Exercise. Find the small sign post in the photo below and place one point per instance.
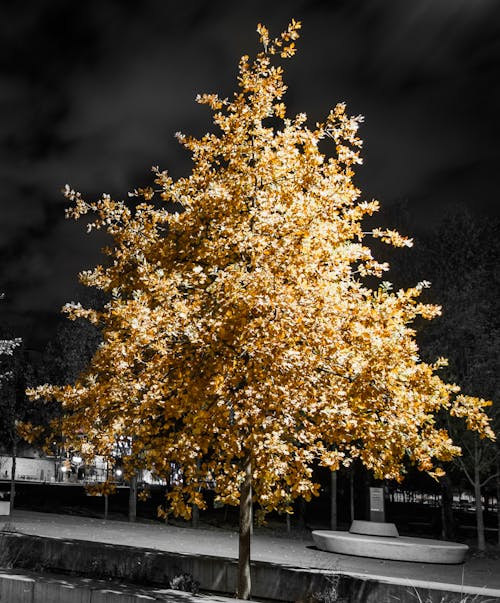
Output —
(377, 510)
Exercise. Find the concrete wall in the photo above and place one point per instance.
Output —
(217, 574)
(35, 588)
(28, 468)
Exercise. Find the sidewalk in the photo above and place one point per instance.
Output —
(481, 576)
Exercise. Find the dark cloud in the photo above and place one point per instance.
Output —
(92, 93)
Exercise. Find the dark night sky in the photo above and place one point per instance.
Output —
(92, 93)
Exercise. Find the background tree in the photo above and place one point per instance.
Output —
(71, 349)
(241, 339)
(8, 402)
(8, 345)
(16, 375)
(461, 258)
(64, 358)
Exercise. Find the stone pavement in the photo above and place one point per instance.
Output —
(475, 576)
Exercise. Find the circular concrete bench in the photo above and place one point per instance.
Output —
(399, 548)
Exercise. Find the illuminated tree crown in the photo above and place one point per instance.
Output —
(241, 330)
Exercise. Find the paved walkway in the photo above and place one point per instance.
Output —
(476, 575)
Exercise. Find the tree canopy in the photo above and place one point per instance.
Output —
(243, 338)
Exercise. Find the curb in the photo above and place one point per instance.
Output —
(28, 587)
(271, 581)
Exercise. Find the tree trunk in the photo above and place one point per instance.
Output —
(351, 492)
(195, 516)
(106, 507)
(448, 528)
(333, 501)
(13, 476)
(132, 498)
(301, 514)
(244, 579)
(195, 510)
(481, 544)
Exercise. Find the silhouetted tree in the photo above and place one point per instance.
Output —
(461, 259)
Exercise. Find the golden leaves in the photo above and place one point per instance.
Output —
(391, 237)
(264, 35)
(29, 432)
(284, 44)
(470, 408)
(243, 325)
(280, 110)
(212, 100)
(102, 489)
(147, 193)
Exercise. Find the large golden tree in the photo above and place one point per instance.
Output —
(242, 339)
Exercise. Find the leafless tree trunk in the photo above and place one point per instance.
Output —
(351, 492)
(447, 530)
(13, 475)
(481, 463)
(132, 498)
(195, 510)
(333, 501)
(481, 543)
(195, 516)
